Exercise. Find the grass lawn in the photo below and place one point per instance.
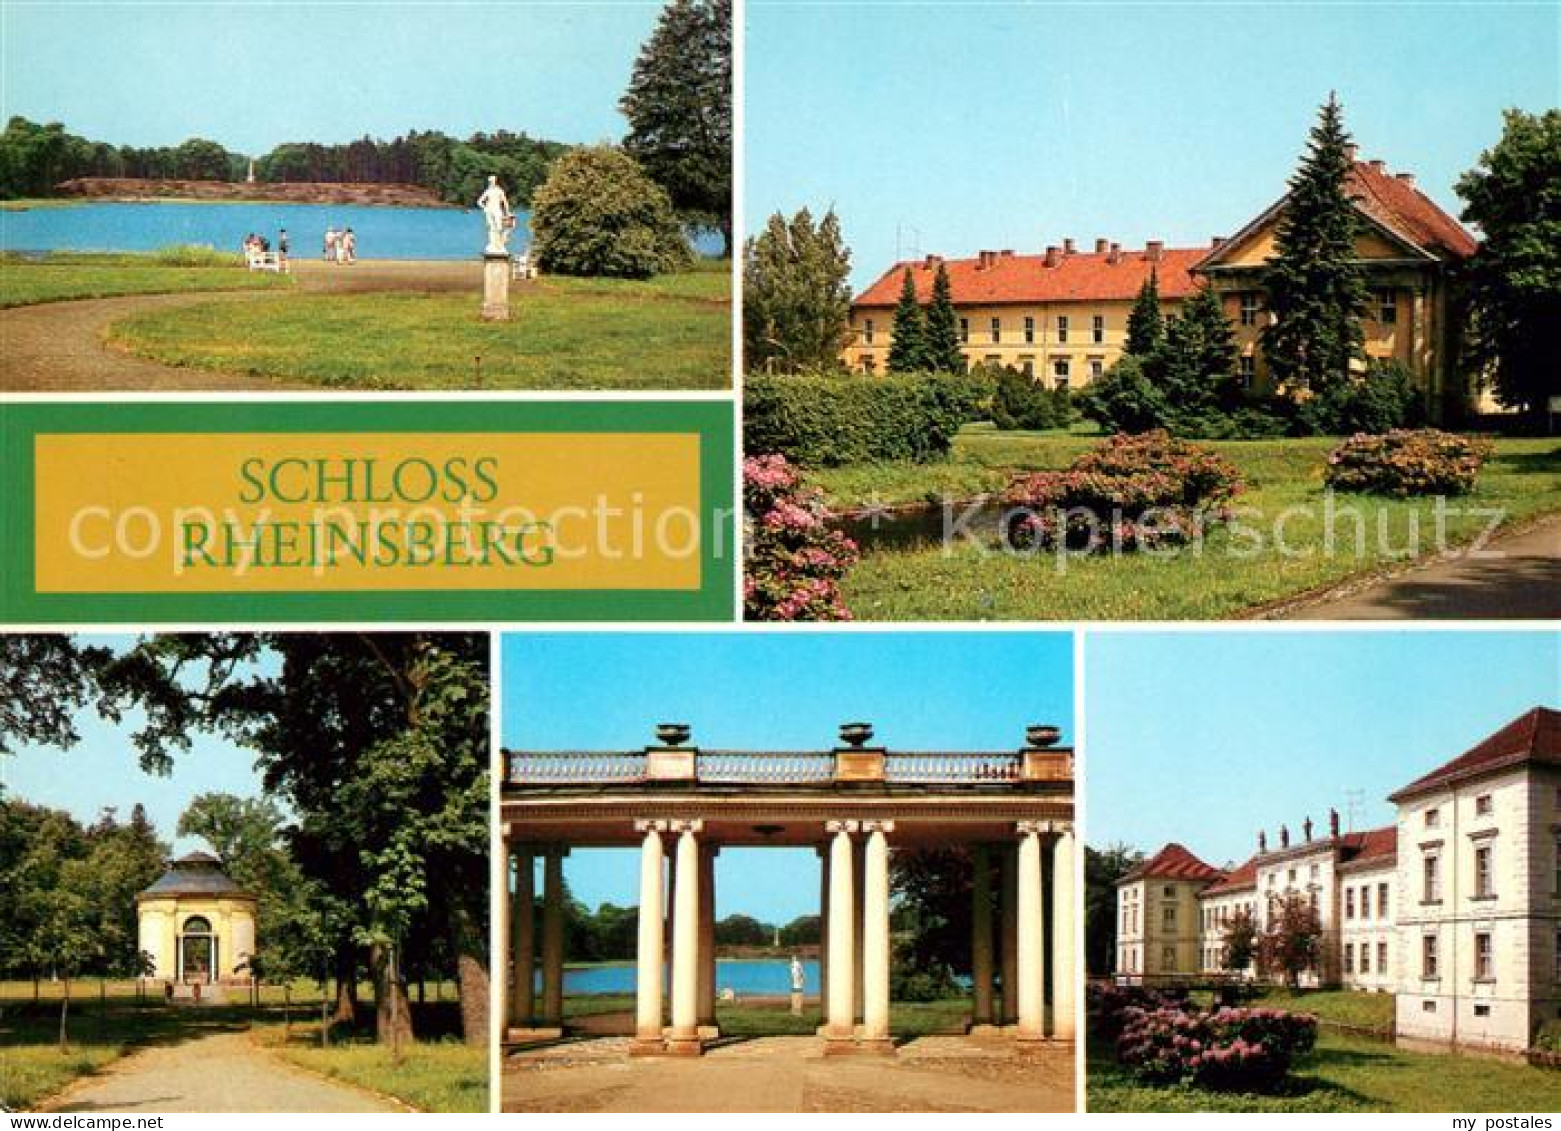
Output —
(1348, 1074)
(906, 1019)
(443, 1075)
(61, 276)
(1347, 1007)
(672, 332)
(1229, 576)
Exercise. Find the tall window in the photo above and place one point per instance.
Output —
(1168, 958)
(1062, 327)
(1249, 308)
(1387, 306)
(997, 329)
(1433, 818)
(868, 364)
(1365, 901)
(1484, 959)
(1431, 869)
(1097, 329)
(1428, 956)
(1382, 958)
(1484, 881)
(1096, 368)
(1365, 958)
(1246, 369)
(1349, 903)
(1027, 366)
(1349, 958)
(1029, 329)
(1169, 917)
(964, 330)
(1060, 372)
(1382, 901)
(867, 332)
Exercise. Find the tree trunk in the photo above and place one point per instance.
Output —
(471, 973)
(346, 1009)
(726, 239)
(64, 1013)
(392, 1010)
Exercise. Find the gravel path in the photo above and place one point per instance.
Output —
(225, 1072)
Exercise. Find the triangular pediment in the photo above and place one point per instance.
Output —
(1254, 245)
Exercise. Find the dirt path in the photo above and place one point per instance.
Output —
(1524, 583)
(58, 346)
(226, 1072)
(791, 1074)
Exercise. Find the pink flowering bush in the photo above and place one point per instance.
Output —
(1402, 463)
(1131, 492)
(794, 561)
(1227, 1049)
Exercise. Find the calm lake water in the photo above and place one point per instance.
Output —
(746, 976)
(383, 232)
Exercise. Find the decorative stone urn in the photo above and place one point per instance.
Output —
(1041, 736)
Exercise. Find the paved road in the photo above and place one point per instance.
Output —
(225, 1072)
(1524, 583)
(791, 1074)
(58, 346)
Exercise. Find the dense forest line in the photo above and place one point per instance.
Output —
(36, 158)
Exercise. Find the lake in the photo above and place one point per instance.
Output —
(383, 232)
(747, 976)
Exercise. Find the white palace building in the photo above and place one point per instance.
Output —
(1455, 908)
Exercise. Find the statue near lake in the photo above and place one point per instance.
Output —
(494, 203)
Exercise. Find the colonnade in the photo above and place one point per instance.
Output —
(1012, 936)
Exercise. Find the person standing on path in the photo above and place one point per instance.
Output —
(330, 244)
(281, 246)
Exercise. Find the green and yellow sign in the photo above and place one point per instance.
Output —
(357, 511)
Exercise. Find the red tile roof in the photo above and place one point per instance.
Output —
(1371, 848)
(998, 278)
(1532, 737)
(1244, 876)
(1173, 862)
(1398, 205)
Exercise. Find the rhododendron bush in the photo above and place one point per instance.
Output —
(1423, 462)
(1225, 1049)
(794, 560)
(1131, 492)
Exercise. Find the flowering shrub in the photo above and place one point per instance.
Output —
(1131, 492)
(1223, 1049)
(1107, 1005)
(794, 561)
(1423, 462)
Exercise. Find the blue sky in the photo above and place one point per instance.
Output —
(101, 771)
(250, 75)
(774, 690)
(1204, 737)
(974, 126)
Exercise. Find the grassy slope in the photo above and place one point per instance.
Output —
(61, 277)
(971, 583)
(667, 333)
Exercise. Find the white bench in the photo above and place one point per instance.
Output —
(265, 261)
(522, 267)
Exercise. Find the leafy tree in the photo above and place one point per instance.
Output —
(1102, 869)
(941, 332)
(1314, 285)
(1514, 279)
(44, 680)
(1020, 401)
(679, 107)
(598, 214)
(1145, 325)
(743, 930)
(932, 911)
(1126, 399)
(804, 930)
(907, 350)
(1292, 943)
(1239, 941)
(796, 300)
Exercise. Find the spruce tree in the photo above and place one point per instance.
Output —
(941, 328)
(1197, 363)
(1314, 284)
(1145, 326)
(908, 350)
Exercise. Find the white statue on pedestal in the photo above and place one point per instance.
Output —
(495, 209)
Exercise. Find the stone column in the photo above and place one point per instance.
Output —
(875, 938)
(858, 915)
(1032, 934)
(684, 1037)
(981, 938)
(647, 996)
(1063, 911)
(839, 1028)
(553, 936)
(823, 930)
(1010, 913)
(707, 1026)
(523, 1003)
(504, 915)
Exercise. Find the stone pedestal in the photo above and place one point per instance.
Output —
(495, 287)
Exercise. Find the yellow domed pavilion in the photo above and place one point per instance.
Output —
(198, 926)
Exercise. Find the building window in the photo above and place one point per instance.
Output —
(1249, 308)
(1382, 958)
(997, 329)
(1168, 958)
(964, 330)
(1482, 1011)
(1382, 901)
(1168, 918)
(1484, 881)
(1433, 818)
(993, 359)
(1431, 873)
(1060, 373)
(867, 332)
(868, 364)
(1387, 306)
(1482, 805)
(1428, 957)
(1428, 1007)
(1365, 958)
(1097, 367)
(1097, 329)
(1029, 329)
(1027, 366)
(1349, 903)
(1349, 958)
(1365, 901)
(1484, 960)
(1062, 327)
(1316, 871)
(1247, 370)
(1290, 877)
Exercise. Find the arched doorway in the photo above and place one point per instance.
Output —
(197, 952)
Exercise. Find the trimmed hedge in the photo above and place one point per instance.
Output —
(821, 420)
(1424, 462)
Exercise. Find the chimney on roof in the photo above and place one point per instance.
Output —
(1006, 253)
(1378, 166)
(1306, 829)
(932, 261)
(1067, 246)
(1100, 245)
(1153, 250)
(1053, 255)
(1262, 841)
(1284, 836)
(1333, 823)
(1116, 254)
(1351, 150)
(1216, 242)
(1407, 178)
(987, 258)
